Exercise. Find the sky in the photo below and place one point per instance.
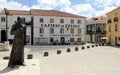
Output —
(87, 8)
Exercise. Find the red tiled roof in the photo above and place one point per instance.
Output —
(42, 13)
(16, 12)
(97, 19)
(54, 13)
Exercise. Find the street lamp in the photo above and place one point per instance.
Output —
(6, 13)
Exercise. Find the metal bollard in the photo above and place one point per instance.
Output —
(76, 48)
(58, 52)
(29, 56)
(46, 54)
(82, 47)
(68, 50)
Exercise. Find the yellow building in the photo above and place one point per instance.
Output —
(113, 27)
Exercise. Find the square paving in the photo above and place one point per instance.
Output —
(101, 60)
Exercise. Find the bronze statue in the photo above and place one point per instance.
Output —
(17, 53)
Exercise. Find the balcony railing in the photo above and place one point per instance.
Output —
(109, 21)
(115, 19)
(91, 32)
(104, 32)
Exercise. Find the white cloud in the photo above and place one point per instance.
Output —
(103, 3)
(47, 4)
(118, 3)
(89, 9)
(64, 3)
(82, 9)
(12, 5)
(104, 11)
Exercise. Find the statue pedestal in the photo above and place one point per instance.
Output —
(6, 45)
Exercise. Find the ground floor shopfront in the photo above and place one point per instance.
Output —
(96, 38)
(55, 40)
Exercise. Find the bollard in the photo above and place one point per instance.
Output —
(76, 48)
(46, 54)
(82, 47)
(58, 52)
(68, 50)
(96, 45)
(6, 58)
(92, 45)
(88, 46)
(29, 56)
(103, 44)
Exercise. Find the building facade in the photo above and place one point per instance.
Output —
(96, 30)
(113, 26)
(48, 26)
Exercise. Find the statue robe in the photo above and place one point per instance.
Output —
(17, 52)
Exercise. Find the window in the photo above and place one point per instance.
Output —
(109, 28)
(116, 14)
(93, 27)
(41, 20)
(51, 30)
(79, 39)
(51, 39)
(23, 20)
(79, 30)
(79, 21)
(41, 30)
(98, 28)
(61, 30)
(61, 20)
(104, 27)
(51, 20)
(72, 21)
(72, 30)
(2, 19)
(89, 27)
(109, 17)
(71, 39)
(116, 27)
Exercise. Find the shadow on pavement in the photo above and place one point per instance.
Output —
(7, 69)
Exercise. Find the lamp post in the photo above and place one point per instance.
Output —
(6, 13)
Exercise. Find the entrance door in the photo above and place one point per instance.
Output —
(3, 36)
(115, 40)
(62, 40)
(51, 39)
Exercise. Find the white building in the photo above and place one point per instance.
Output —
(49, 26)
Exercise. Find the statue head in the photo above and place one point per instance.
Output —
(19, 19)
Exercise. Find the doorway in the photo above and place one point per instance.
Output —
(62, 39)
(3, 36)
(115, 40)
